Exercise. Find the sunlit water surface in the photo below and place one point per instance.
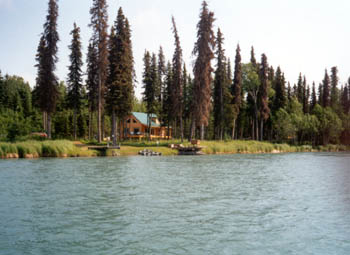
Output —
(232, 204)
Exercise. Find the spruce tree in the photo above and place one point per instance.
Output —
(320, 94)
(300, 89)
(46, 91)
(280, 96)
(313, 97)
(334, 87)
(306, 96)
(289, 92)
(75, 79)
(150, 79)
(185, 98)
(203, 50)
(326, 90)
(236, 89)
(177, 79)
(99, 24)
(120, 78)
(92, 84)
(168, 91)
(271, 77)
(263, 94)
(219, 84)
(253, 59)
(161, 73)
(345, 99)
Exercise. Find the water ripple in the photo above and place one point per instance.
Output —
(231, 204)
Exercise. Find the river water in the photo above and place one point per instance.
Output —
(230, 204)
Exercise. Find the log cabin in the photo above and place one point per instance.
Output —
(135, 126)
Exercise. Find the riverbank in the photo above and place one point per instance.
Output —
(65, 148)
(38, 149)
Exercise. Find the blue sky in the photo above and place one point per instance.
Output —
(300, 36)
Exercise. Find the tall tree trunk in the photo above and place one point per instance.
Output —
(202, 132)
(99, 110)
(49, 125)
(192, 130)
(185, 127)
(256, 122)
(181, 130)
(168, 127)
(256, 128)
(114, 129)
(175, 128)
(103, 126)
(90, 125)
(149, 127)
(233, 129)
(75, 123)
(261, 129)
(45, 121)
(253, 129)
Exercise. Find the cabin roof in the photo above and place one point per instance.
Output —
(142, 117)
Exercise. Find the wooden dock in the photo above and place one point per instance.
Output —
(103, 148)
(191, 150)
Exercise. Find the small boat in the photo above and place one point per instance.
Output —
(147, 152)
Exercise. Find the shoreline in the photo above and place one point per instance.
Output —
(68, 149)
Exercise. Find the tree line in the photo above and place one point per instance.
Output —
(252, 101)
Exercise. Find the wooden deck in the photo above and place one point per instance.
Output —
(103, 148)
(191, 150)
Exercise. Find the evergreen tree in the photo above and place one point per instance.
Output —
(150, 79)
(306, 96)
(300, 89)
(120, 90)
(168, 105)
(313, 97)
(237, 89)
(334, 88)
(326, 90)
(280, 96)
(99, 24)
(92, 84)
(271, 76)
(161, 74)
(186, 99)
(345, 99)
(203, 50)
(307, 100)
(320, 94)
(263, 94)
(289, 92)
(219, 86)
(75, 85)
(47, 83)
(253, 59)
(177, 79)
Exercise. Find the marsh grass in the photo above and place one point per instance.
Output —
(65, 148)
(35, 149)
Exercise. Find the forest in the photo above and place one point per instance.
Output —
(216, 99)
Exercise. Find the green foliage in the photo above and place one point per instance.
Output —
(283, 126)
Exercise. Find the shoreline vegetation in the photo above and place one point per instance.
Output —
(65, 148)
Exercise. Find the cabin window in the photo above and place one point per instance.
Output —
(136, 131)
(134, 121)
(128, 121)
